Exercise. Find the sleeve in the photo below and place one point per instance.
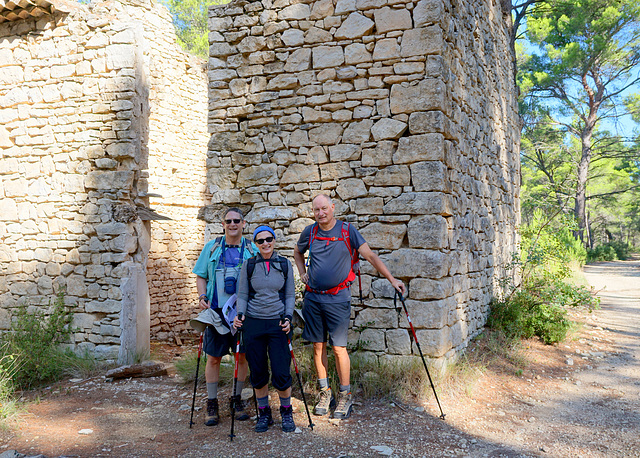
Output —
(243, 290)
(303, 241)
(355, 238)
(202, 264)
(290, 292)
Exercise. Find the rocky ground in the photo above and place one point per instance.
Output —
(580, 398)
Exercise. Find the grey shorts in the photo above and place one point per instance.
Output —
(322, 319)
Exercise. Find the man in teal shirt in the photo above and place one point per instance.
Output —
(217, 270)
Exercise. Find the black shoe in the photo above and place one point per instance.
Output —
(238, 404)
(211, 416)
(286, 413)
(264, 419)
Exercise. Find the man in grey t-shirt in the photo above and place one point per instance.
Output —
(327, 302)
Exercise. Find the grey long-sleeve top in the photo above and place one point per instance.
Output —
(266, 303)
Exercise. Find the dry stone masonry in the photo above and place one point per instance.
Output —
(405, 113)
(100, 114)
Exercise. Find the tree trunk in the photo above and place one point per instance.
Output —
(581, 185)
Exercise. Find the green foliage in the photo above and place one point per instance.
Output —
(186, 369)
(190, 19)
(8, 368)
(35, 341)
(609, 252)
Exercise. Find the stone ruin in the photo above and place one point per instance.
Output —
(403, 111)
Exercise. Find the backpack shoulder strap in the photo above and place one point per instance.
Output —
(248, 246)
(251, 266)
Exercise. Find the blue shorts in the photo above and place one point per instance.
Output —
(218, 345)
(321, 319)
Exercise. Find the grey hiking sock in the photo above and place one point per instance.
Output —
(239, 387)
(345, 388)
(285, 402)
(212, 390)
(263, 402)
(324, 383)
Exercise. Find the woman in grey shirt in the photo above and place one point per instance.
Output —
(266, 296)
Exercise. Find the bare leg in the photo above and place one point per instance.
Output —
(212, 369)
(320, 359)
(343, 365)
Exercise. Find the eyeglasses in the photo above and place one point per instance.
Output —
(234, 221)
(267, 239)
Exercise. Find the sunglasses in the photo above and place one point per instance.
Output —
(267, 239)
(234, 221)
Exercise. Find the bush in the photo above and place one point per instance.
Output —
(610, 251)
(35, 341)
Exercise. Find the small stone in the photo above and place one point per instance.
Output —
(382, 450)
(298, 430)
(85, 432)
(569, 362)
(75, 380)
(184, 407)
(419, 409)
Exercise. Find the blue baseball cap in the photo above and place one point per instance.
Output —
(262, 229)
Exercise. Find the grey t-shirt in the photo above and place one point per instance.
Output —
(267, 280)
(329, 261)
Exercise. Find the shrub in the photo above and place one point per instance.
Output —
(610, 251)
(35, 340)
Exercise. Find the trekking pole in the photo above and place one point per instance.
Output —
(295, 365)
(235, 382)
(415, 338)
(193, 402)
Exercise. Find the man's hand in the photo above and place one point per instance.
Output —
(305, 278)
(398, 286)
(203, 303)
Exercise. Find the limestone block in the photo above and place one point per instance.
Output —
(293, 37)
(220, 178)
(300, 173)
(381, 155)
(355, 26)
(369, 206)
(267, 214)
(298, 225)
(327, 56)
(428, 122)
(220, 23)
(424, 147)
(327, 134)
(298, 11)
(284, 81)
(422, 41)
(221, 49)
(120, 56)
(430, 176)
(321, 9)
(298, 61)
(344, 152)
(119, 180)
(393, 175)
(434, 342)
(11, 75)
(345, 6)
(387, 128)
(121, 149)
(356, 53)
(312, 115)
(372, 339)
(272, 142)
(388, 19)
(420, 203)
(382, 288)
(386, 49)
(406, 68)
(406, 262)
(8, 210)
(76, 285)
(251, 44)
(429, 231)
(124, 243)
(427, 12)
(426, 288)
(351, 188)
(386, 236)
(5, 140)
(5, 319)
(316, 35)
(335, 171)
(428, 94)
(108, 306)
(358, 132)
(297, 139)
(377, 318)
(398, 342)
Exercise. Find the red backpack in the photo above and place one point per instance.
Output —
(355, 260)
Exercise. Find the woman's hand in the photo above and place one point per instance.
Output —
(237, 322)
(285, 325)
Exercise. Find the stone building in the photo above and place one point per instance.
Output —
(405, 112)
(101, 113)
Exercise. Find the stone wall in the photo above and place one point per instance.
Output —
(87, 131)
(405, 113)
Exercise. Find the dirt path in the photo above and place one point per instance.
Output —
(580, 398)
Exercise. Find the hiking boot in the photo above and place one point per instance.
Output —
(325, 402)
(286, 413)
(264, 419)
(345, 403)
(238, 403)
(211, 416)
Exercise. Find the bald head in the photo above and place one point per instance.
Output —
(326, 198)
